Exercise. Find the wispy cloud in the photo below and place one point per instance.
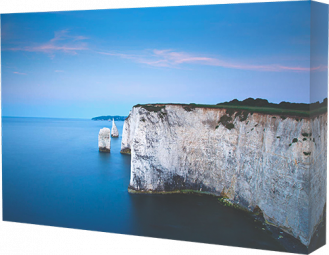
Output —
(62, 42)
(173, 59)
(19, 73)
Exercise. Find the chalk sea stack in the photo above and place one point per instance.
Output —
(115, 132)
(104, 140)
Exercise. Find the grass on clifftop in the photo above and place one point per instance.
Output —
(254, 105)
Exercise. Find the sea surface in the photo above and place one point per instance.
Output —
(53, 174)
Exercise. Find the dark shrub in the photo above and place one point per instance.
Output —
(230, 112)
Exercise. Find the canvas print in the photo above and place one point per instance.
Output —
(197, 123)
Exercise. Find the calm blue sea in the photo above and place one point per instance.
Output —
(54, 175)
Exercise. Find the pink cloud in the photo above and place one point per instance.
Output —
(62, 42)
(121, 55)
(64, 34)
(80, 37)
(173, 59)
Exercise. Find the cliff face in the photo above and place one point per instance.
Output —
(275, 163)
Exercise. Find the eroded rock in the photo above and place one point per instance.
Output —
(104, 140)
(115, 132)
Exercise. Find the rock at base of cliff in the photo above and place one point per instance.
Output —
(125, 151)
(104, 150)
(104, 140)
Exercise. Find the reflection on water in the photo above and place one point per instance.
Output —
(196, 218)
(54, 175)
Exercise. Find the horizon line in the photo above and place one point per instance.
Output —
(2, 116)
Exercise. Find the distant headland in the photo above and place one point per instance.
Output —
(109, 117)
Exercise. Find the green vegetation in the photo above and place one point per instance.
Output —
(226, 121)
(162, 115)
(243, 115)
(315, 112)
(184, 191)
(151, 107)
(295, 140)
(229, 126)
(307, 153)
(154, 108)
(259, 102)
(319, 108)
(125, 151)
(250, 105)
(228, 203)
(189, 108)
(230, 112)
(225, 201)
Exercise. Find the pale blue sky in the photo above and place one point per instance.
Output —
(89, 63)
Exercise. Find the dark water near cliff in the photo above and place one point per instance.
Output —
(54, 175)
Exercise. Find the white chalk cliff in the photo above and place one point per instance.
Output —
(115, 132)
(255, 160)
(104, 140)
